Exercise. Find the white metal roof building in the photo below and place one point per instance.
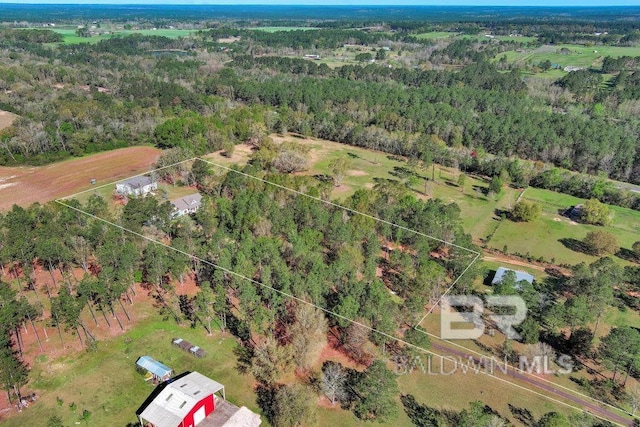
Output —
(184, 401)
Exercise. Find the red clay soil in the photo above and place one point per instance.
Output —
(26, 185)
(49, 337)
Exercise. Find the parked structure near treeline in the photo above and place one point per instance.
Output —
(188, 347)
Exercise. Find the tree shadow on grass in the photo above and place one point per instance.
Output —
(628, 255)
(323, 177)
(483, 190)
(523, 415)
(575, 245)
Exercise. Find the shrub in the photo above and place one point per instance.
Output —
(526, 211)
(600, 242)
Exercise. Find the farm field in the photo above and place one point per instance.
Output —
(435, 35)
(25, 185)
(276, 29)
(485, 37)
(70, 36)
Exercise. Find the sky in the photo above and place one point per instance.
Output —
(349, 2)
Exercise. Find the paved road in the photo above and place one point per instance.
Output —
(544, 387)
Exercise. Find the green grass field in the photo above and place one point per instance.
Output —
(541, 238)
(435, 35)
(479, 212)
(276, 29)
(484, 37)
(105, 382)
(577, 55)
(70, 36)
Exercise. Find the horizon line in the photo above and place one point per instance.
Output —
(536, 4)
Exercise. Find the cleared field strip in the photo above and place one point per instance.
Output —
(26, 185)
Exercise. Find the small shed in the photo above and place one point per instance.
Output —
(197, 351)
(188, 347)
(157, 370)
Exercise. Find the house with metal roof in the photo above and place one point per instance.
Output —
(520, 276)
(186, 205)
(156, 370)
(137, 186)
(191, 399)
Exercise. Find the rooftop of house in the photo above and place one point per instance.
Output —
(520, 275)
(138, 181)
(187, 202)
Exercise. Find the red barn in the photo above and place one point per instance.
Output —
(183, 401)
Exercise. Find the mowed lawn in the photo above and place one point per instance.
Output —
(276, 29)
(435, 35)
(573, 55)
(105, 382)
(25, 185)
(542, 237)
(70, 36)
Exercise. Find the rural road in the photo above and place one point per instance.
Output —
(506, 260)
(544, 387)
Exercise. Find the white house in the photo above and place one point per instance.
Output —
(137, 186)
(187, 204)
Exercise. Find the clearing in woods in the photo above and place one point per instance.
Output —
(6, 119)
(25, 185)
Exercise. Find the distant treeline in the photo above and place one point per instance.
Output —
(476, 107)
(17, 38)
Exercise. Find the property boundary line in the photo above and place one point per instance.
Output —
(477, 254)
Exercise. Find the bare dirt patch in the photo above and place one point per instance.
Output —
(241, 155)
(26, 185)
(318, 148)
(6, 119)
(356, 173)
(229, 40)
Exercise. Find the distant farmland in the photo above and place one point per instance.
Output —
(25, 185)
(70, 36)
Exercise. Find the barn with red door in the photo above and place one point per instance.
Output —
(183, 401)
